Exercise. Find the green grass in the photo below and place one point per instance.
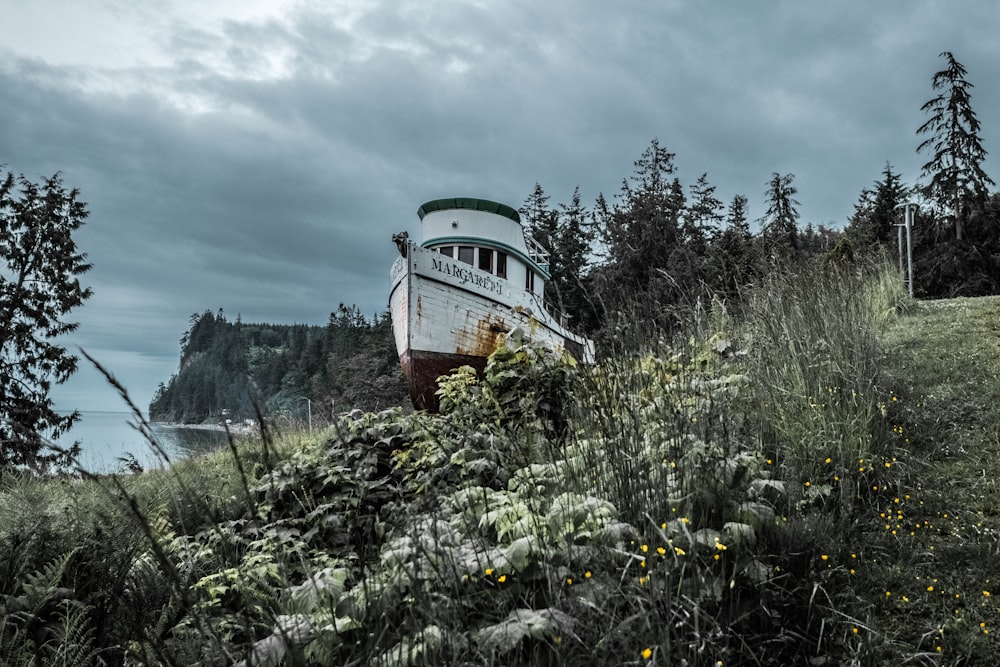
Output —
(942, 374)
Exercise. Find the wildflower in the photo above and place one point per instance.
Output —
(661, 550)
(716, 556)
(586, 575)
(489, 571)
(906, 599)
(642, 563)
(569, 581)
(647, 653)
(930, 589)
(557, 640)
(644, 548)
(680, 552)
(502, 578)
(828, 460)
(769, 462)
(720, 546)
(854, 630)
(685, 520)
(824, 557)
(986, 594)
(807, 484)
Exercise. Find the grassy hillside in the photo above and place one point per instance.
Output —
(809, 481)
(928, 569)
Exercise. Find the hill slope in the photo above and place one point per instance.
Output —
(928, 567)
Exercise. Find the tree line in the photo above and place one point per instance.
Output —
(657, 248)
(237, 370)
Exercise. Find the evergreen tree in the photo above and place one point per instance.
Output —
(573, 246)
(40, 269)
(779, 231)
(704, 212)
(958, 182)
(875, 213)
(731, 255)
(646, 263)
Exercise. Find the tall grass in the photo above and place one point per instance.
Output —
(812, 341)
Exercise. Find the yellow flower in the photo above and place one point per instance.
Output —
(720, 546)
(680, 552)
(661, 550)
(644, 548)
(930, 588)
(986, 593)
(828, 460)
(502, 578)
(825, 557)
(489, 571)
(569, 581)
(854, 630)
(647, 653)
(807, 483)
(684, 519)
(642, 563)
(586, 575)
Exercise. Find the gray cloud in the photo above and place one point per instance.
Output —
(261, 165)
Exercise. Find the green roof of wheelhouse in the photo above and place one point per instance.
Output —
(469, 203)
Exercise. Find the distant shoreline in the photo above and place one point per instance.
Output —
(236, 429)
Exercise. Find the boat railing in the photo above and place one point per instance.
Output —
(536, 251)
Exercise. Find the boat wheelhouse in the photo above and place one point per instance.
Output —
(474, 278)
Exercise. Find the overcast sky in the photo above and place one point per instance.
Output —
(257, 155)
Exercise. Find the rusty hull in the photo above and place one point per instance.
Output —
(473, 345)
(422, 369)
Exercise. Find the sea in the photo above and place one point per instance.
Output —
(109, 439)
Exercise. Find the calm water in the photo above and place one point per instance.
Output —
(106, 437)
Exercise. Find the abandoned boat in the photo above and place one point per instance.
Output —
(475, 277)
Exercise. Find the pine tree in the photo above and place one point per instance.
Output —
(875, 213)
(573, 246)
(779, 231)
(40, 268)
(958, 181)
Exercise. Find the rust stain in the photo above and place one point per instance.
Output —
(420, 307)
(422, 370)
(483, 338)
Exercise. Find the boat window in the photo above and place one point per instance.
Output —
(529, 283)
(465, 253)
(447, 250)
(486, 259)
(501, 264)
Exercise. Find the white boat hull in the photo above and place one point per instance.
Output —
(446, 313)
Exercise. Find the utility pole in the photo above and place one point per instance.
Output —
(309, 405)
(909, 208)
